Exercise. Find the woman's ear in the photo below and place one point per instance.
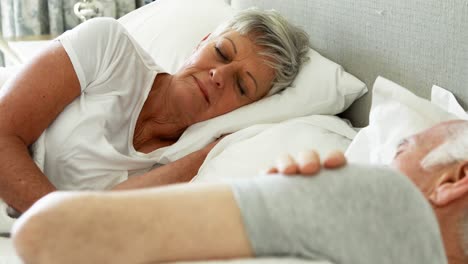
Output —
(451, 186)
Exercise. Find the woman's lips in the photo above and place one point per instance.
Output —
(203, 91)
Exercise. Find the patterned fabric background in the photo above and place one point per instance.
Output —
(39, 17)
(21, 18)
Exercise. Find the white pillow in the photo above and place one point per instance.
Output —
(244, 153)
(395, 113)
(170, 29)
(447, 101)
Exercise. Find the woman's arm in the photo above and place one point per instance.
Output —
(179, 222)
(181, 170)
(28, 105)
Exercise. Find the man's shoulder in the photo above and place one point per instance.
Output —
(358, 214)
(379, 183)
(390, 209)
(380, 177)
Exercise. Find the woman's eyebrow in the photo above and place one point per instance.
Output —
(233, 45)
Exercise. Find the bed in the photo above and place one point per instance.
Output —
(415, 44)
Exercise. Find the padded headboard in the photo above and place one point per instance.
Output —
(415, 43)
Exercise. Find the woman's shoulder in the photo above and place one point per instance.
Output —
(116, 35)
(103, 26)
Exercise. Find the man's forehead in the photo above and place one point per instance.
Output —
(433, 136)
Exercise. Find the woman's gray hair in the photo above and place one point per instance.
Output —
(284, 44)
(454, 149)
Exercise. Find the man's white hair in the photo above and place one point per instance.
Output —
(454, 149)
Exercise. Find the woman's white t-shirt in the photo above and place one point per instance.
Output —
(90, 144)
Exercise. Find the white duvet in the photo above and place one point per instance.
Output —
(245, 153)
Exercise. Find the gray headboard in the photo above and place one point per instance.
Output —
(416, 43)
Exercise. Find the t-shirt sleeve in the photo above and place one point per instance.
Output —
(94, 48)
(355, 214)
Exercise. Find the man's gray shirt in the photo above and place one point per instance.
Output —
(353, 215)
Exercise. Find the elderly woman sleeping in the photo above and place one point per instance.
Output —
(102, 106)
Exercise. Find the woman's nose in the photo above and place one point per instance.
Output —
(220, 75)
(216, 78)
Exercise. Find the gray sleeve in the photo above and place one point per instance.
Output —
(356, 214)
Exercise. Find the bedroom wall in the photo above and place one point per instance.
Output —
(414, 43)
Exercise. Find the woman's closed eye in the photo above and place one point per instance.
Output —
(242, 89)
(221, 54)
(239, 81)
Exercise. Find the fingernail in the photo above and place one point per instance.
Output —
(284, 161)
(305, 157)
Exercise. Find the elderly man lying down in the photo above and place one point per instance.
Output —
(416, 212)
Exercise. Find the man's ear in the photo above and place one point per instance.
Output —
(451, 186)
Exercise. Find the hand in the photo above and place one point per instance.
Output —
(307, 163)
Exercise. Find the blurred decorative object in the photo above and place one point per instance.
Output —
(25, 18)
(50, 17)
(87, 9)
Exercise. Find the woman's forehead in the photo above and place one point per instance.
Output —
(239, 40)
(244, 48)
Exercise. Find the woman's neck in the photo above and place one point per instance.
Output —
(158, 123)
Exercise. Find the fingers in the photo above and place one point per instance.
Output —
(270, 171)
(309, 162)
(334, 160)
(286, 165)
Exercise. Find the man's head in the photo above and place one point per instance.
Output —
(436, 160)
